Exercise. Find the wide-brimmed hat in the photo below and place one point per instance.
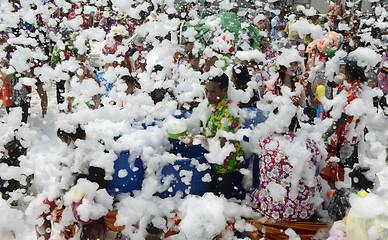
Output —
(121, 16)
(153, 16)
(296, 37)
(118, 30)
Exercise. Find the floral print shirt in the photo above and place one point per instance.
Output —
(216, 122)
(270, 52)
(112, 48)
(278, 197)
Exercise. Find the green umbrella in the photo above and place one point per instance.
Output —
(229, 22)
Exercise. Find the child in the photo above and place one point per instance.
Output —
(194, 62)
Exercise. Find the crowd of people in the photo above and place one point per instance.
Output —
(303, 67)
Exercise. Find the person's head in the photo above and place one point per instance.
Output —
(288, 71)
(265, 42)
(314, 17)
(295, 39)
(240, 76)
(356, 43)
(337, 1)
(131, 84)
(189, 46)
(210, 61)
(299, 14)
(216, 89)
(194, 60)
(207, 4)
(3, 37)
(282, 14)
(252, 64)
(118, 38)
(69, 137)
(353, 72)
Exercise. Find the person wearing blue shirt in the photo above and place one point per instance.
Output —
(278, 24)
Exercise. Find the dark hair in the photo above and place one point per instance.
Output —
(79, 134)
(129, 79)
(96, 175)
(192, 55)
(355, 72)
(241, 73)
(282, 73)
(223, 80)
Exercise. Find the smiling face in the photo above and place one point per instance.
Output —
(194, 62)
(214, 93)
(210, 61)
(265, 42)
(292, 69)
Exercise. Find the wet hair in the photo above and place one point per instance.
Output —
(79, 134)
(241, 73)
(223, 80)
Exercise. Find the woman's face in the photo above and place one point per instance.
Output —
(214, 93)
(292, 69)
(265, 42)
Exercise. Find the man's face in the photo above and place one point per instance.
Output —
(214, 93)
(210, 61)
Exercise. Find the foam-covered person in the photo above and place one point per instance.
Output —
(194, 60)
(131, 85)
(242, 80)
(289, 187)
(210, 59)
(334, 11)
(222, 119)
(116, 47)
(62, 52)
(287, 81)
(86, 185)
(278, 24)
(160, 92)
(83, 91)
(347, 129)
(267, 48)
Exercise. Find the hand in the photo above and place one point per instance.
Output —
(188, 139)
(296, 100)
